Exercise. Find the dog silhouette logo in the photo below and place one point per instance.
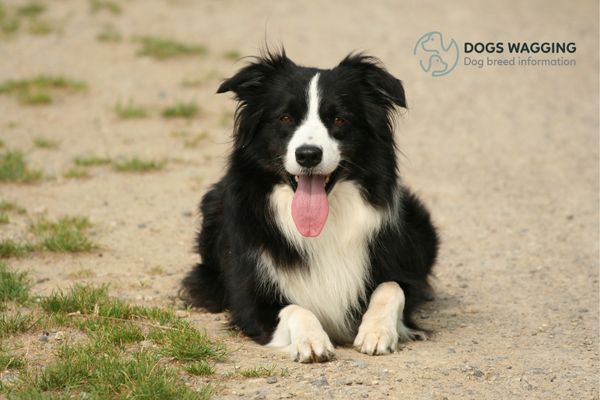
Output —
(437, 56)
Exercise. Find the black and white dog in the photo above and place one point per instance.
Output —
(310, 238)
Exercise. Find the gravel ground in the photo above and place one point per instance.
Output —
(505, 157)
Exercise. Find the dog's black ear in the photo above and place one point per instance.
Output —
(377, 78)
(253, 76)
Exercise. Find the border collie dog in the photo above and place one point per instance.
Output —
(310, 238)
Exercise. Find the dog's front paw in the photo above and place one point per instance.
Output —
(312, 346)
(374, 339)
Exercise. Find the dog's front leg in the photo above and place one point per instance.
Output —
(382, 324)
(301, 333)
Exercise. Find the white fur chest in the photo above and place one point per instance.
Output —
(334, 283)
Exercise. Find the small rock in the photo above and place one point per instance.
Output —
(217, 318)
(478, 373)
(321, 382)
(359, 363)
(142, 226)
(536, 371)
(44, 337)
(272, 379)
(182, 313)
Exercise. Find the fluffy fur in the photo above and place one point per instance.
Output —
(377, 245)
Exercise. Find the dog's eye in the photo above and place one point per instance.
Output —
(339, 121)
(286, 119)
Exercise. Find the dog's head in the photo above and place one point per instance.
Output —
(312, 128)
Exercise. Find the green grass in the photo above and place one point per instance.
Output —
(130, 111)
(258, 372)
(31, 10)
(10, 206)
(76, 173)
(199, 368)
(1, 143)
(137, 165)
(91, 161)
(45, 143)
(181, 110)
(110, 362)
(40, 89)
(13, 168)
(4, 219)
(11, 248)
(109, 6)
(66, 235)
(164, 48)
(14, 285)
(233, 55)
(9, 361)
(15, 323)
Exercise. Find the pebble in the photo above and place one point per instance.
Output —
(272, 379)
(8, 377)
(359, 363)
(478, 373)
(321, 382)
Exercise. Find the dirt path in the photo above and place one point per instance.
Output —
(506, 158)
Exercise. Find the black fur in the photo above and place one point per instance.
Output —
(237, 219)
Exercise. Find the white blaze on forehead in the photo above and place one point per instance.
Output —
(312, 131)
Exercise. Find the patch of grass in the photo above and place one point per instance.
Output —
(15, 323)
(199, 368)
(14, 285)
(39, 90)
(76, 173)
(233, 55)
(40, 27)
(10, 361)
(164, 48)
(137, 165)
(258, 372)
(91, 161)
(45, 143)
(156, 270)
(130, 111)
(10, 206)
(30, 10)
(109, 364)
(109, 6)
(4, 218)
(181, 110)
(109, 35)
(13, 168)
(187, 344)
(11, 248)
(66, 235)
(1, 143)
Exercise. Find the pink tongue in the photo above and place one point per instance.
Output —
(310, 206)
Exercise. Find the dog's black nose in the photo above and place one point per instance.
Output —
(308, 156)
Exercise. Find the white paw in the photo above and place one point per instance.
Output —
(376, 339)
(311, 346)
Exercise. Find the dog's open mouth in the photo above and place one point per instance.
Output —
(310, 206)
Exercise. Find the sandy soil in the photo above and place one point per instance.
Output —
(506, 158)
